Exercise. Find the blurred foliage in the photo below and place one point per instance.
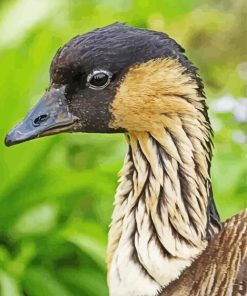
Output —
(56, 193)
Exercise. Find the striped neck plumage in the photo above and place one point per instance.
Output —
(164, 211)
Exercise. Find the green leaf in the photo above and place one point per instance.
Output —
(40, 282)
(8, 286)
(85, 281)
(39, 219)
(89, 237)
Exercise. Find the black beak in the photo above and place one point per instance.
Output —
(50, 116)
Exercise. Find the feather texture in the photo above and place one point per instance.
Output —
(164, 212)
(162, 217)
(221, 270)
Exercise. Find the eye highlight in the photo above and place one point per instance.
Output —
(99, 79)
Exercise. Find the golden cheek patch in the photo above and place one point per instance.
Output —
(151, 90)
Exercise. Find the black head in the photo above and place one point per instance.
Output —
(85, 75)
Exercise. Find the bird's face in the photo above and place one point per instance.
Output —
(109, 80)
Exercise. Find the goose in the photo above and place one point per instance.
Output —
(165, 237)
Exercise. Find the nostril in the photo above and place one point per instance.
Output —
(41, 118)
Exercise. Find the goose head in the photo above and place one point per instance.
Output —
(113, 79)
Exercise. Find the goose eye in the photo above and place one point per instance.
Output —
(99, 79)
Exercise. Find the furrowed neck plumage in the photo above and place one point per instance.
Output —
(164, 212)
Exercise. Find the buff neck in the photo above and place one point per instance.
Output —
(164, 210)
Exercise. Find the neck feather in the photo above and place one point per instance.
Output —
(164, 202)
(164, 210)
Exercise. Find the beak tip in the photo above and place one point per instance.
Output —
(8, 141)
(12, 138)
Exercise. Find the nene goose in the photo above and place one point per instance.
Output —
(166, 237)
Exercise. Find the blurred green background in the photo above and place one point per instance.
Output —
(56, 193)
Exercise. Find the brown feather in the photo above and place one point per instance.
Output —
(221, 270)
